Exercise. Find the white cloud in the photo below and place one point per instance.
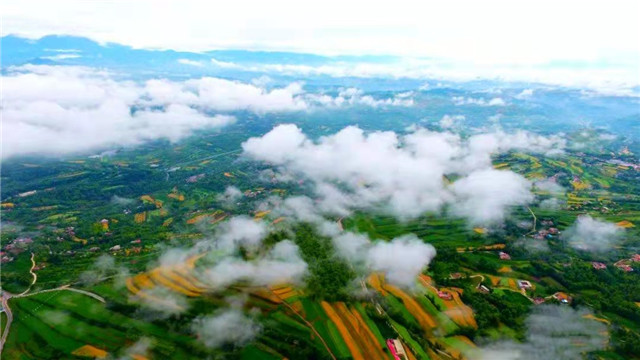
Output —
(526, 93)
(484, 195)
(550, 186)
(448, 121)
(461, 100)
(190, 62)
(281, 265)
(402, 259)
(226, 95)
(55, 110)
(403, 175)
(591, 234)
(65, 109)
(551, 204)
(61, 57)
(230, 195)
(553, 332)
(240, 231)
(225, 64)
(229, 326)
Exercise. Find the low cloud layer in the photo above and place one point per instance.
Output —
(461, 100)
(401, 260)
(67, 109)
(58, 109)
(553, 332)
(591, 234)
(404, 175)
(229, 326)
(281, 265)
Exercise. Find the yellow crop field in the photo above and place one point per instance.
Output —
(267, 295)
(479, 230)
(376, 281)
(229, 175)
(625, 224)
(143, 281)
(425, 280)
(45, 208)
(460, 313)
(70, 175)
(167, 222)
(176, 196)
(77, 239)
(159, 276)
(7, 205)
(197, 218)
(344, 332)
(280, 219)
(593, 317)
(90, 351)
(261, 214)
(425, 320)
(140, 217)
(359, 330)
(579, 185)
(176, 278)
(147, 199)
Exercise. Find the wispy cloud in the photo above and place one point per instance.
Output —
(591, 234)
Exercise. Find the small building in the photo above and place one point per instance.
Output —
(524, 284)
(635, 257)
(598, 265)
(538, 300)
(455, 276)
(562, 297)
(397, 349)
(483, 289)
(105, 224)
(504, 256)
(554, 231)
(624, 267)
(444, 295)
(114, 248)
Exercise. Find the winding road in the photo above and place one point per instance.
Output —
(5, 296)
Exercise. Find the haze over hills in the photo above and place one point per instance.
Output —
(285, 202)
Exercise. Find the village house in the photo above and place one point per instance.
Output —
(105, 224)
(444, 295)
(562, 297)
(538, 300)
(455, 276)
(635, 258)
(624, 267)
(524, 284)
(598, 265)
(504, 256)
